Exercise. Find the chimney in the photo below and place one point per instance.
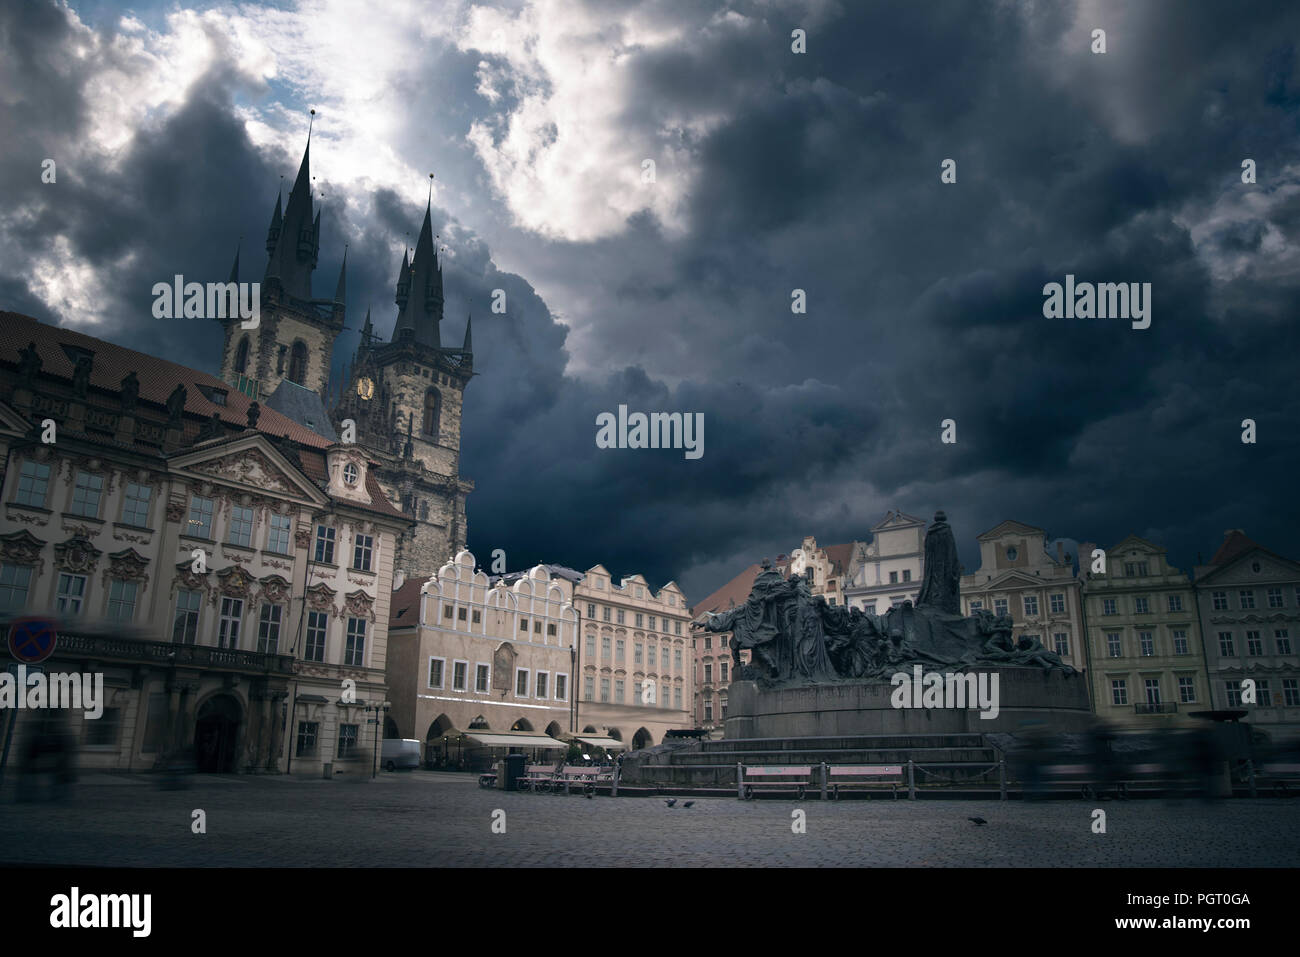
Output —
(1060, 552)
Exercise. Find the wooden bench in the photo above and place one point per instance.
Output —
(782, 778)
(1281, 773)
(538, 774)
(851, 775)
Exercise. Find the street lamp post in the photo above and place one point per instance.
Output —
(377, 708)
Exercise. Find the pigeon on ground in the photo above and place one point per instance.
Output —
(671, 802)
(977, 821)
(688, 804)
(590, 795)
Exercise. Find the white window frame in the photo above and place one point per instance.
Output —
(33, 479)
(118, 583)
(555, 686)
(127, 499)
(541, 684)
(487, 684)
(239, 522)
(442, 675)
(224, 639)
(271, 530)
(527, 673)
(77, 487)
(454, 663)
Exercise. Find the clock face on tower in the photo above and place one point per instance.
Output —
(366, 388)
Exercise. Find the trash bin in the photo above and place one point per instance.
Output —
(329, 770)
(515, 767)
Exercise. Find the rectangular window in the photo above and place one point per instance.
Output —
(722, 705)
(1114, 649)
(1220, 599)
(604, 646)
(618, 650)
(893, 578)
(551, 629)
(1130, 569)
(618, 690)
(652, 657)
(604, 613)
(639, 619)
(135, 506)
(1057, 604)
(347, 740)
(999, 606)
(1254, 643)
(1283, 638)
(708, 710)
(446, 613)
(1175, 602)
(1232, 692)
(677, 658)
(1031, 606)
(476, 617)
(1147, 643)
(308, 733)
(561, 687)
(1118, 691)
(71, 595)
(86, 494)
(1061, 643)
(200, 520)
(317, 621)
(363, 546)
(651, 625)
(232, 615)
(462, 614)
(589, 688)
(459, 675)
(677, 698)
(708, 674)
(523, 624)
(15, 581)
(1108, 607)
(591, 646)
(1291, 692)
(722, 671)
(621, 616)
(907, 576)
(604, 690)
(1263, 697)
(33, 483)
(974, 607)
(324, 545)
(277, 535)
(537, 626)
(1226, 647)
(1246, 597)
(723, 643)
(591, 611)
(1142, 606)
(185, 626)
(638, 652)
(1186, 689)
(677, 628)
(354, 652)
(481, 673)
(1275, 598)
(521, 683)
(540, 685)
(435, 672)
(1152, 686)
(121, 600)
(241, 526)
(1180, 642)
(708, 643)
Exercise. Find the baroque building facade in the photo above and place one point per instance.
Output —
(1144, 638)
(1249, 603)
(889, 569)
(404, 396)
(225, 568)
(1040, 591)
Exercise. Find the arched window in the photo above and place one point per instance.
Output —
(432, 407)
(241, 356)
(298, 363)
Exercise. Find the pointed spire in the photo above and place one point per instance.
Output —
(234, 268)
(341, 290)
(469, 342)
(277, 217)
(367, 331)
(403, 280)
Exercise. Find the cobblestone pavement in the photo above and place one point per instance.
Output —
(438, 820)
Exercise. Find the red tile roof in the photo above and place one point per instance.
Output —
(158, 377)
(1235, 544)
(404, 612)
(736, 590)
(839, 557)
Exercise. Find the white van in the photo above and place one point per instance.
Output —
(400, 753)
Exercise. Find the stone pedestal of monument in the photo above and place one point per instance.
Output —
(1051, 701)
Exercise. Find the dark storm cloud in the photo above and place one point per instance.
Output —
(818, 172)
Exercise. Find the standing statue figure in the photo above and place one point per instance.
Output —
(29, 363)
(175, 407)
(942, 586)
(811, 657)
(129, 392)
(81, 377)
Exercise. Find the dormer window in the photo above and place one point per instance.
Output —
(351, 473)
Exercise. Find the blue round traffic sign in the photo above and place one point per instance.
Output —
(32, 640)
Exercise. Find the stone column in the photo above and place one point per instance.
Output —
(277, 700)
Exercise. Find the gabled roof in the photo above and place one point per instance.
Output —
(1011, 527)
(404, 611)
(303, 406)
(1235, 544)
(1135, 541)
(894, 519)
(840, 556)
(736, 590)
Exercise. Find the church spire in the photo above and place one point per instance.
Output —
(421, 297)
(469, 342)
(293, 241)
(234, 268)
(341, 290)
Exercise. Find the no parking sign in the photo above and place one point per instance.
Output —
(31, 639)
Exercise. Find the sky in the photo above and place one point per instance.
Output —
(171, 129)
